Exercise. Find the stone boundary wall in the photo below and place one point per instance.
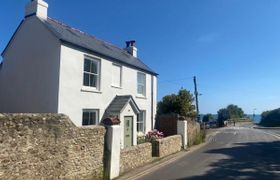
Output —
(135, 156)
(237, 124)
(166, 146)
(193, 132)
(49, 146)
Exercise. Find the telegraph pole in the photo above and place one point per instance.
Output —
(196, 98)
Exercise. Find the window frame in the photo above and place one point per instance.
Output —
(98, 74)
(121, 71)
(96, 111)
(142, 84)
(143, 122)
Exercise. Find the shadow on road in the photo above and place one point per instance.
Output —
(246, 161)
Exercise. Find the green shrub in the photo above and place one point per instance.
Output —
(200, 137)
(271, 118)
(141, 139)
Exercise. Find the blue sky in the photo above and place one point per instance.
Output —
(232, 46)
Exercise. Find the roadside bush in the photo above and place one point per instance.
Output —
(200, 137)
(271, 118)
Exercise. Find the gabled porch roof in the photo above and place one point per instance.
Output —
(120, 102)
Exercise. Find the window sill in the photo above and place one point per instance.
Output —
(89, 89)
(117, 87)
(141, 97)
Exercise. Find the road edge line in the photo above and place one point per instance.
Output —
(272, 134)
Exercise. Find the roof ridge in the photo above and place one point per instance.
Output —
(88, 34)
(85, 40)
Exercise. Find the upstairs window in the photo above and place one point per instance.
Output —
(91, 73)
(116, 75)
(90, 117)
(141, 84)
(141, 122)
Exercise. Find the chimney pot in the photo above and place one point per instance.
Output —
(130, 47)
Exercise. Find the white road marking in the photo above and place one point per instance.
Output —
(272, 134)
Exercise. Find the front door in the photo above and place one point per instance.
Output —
(128, 129)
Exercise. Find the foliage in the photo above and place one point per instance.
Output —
(230, 112)
(235, 112)
(271, 118)
(141, 139)
(181, 103)
(222, 116)
(153, 135)
(208, 117)
(200, 137)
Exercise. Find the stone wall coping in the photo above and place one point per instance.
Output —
(169, 138)
(139, 146)
(33, 114)
(54, 117)
(92, 127)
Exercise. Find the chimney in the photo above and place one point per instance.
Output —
(38, 8)
(130, 48)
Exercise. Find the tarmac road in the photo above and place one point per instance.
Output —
(233, 153)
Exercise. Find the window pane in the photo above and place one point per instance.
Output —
(140, 127)
(141, 121)
(116, 75)
(141, 83)
(87, 65)
(141, 89)
(94, 66)
(93, 80)
(141, 78)
(92, 118)
(86, 79)
(85, 118)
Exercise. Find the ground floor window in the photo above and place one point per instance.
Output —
(141, 121)
(90, 117)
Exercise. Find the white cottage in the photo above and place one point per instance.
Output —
(49, 67)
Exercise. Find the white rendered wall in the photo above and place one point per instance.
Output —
(72, 98)
(29, 76)
(155, 101)
(113, 145)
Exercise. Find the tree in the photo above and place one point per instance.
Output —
(230, 112)
(271, 118)
(181, 103)
(235, 112)
(222, 116)
(208, 117)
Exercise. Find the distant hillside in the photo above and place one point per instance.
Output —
(257, 117)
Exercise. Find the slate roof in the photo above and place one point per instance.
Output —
(84, 40)
(119, 102)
